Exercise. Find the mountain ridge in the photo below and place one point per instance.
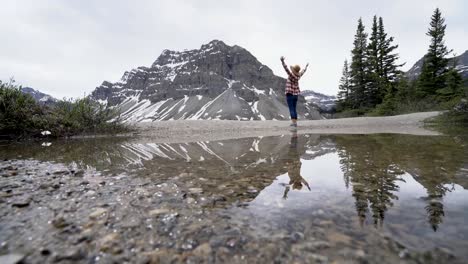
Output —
(461, 64)
(39, 96)
(217, 81)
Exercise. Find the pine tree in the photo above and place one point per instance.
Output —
(359, 68)
(375, 66)
(390, 70)
(344, 88)
(453, 88)
(454, 84)
(433, 74)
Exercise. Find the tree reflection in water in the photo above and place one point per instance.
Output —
(373, 164)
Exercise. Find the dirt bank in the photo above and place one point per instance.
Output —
(206, 130)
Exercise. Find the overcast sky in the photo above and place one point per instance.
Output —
(67, 48)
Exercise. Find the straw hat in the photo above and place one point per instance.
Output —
(295, 69)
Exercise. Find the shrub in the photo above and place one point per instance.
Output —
(82, 116)
(21, 116)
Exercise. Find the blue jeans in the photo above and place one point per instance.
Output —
(292, 103)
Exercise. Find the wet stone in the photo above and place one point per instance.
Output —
(110, 244)
(203, 250)
(59, 222)
(189, 244)
(71, 254)
(78, 173)
(45, 185)
(296, 236)
(97, 213)
(196, 190)
(22, 201)
(158, 211)
(11, 258)
(318, 258)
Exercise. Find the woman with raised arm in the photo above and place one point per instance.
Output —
(292, 88)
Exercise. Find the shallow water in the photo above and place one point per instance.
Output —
(306, 198)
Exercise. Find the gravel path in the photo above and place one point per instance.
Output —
(206, 130)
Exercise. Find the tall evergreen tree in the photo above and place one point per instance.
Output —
(375, 68)
(390, 70)
(358, 68)
(389, 74)
(344, 87)
(433, 74)
(383, 67)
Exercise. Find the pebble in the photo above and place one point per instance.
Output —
(202, 250)
(79, 173)
(319, 245)
(110, 244)
(72, 254)
(318, 258)
(60, 222)
(196, 190)
(97, 213)
(158, 211)
(22, 201)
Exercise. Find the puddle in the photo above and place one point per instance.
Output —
(306, 198)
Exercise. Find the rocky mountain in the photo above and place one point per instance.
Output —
(461, 65)
(217, 81)
(325, 103)
(39, 96)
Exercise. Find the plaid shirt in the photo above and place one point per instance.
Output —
(292, 84)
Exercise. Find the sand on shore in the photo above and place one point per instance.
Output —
(208, 130)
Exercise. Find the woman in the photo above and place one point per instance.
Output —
(292, 88)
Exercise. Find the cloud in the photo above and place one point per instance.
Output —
(67, 48)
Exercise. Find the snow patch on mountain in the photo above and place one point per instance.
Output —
(325, 103)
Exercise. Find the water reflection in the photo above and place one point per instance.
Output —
(293, 162)
(374, 167)
(375, 170)
(372, 174)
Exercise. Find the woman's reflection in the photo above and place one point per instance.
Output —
(293, 162)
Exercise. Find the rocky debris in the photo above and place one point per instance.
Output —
(217, 81)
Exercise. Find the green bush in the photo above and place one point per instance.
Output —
(82, 116)
(399, 107)
(351, 113)
(19, 113)
(21, 116)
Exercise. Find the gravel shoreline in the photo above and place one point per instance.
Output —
(207, 130)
